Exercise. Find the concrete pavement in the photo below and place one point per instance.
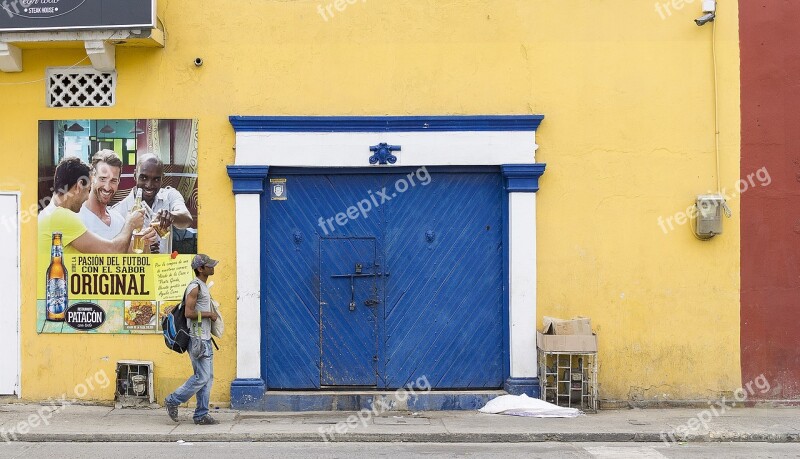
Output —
(47, 423)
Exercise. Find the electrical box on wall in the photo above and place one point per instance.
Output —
(708, 222)
(134, 383)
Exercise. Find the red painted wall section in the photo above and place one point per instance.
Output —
(770, 220)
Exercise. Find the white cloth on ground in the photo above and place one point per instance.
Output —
(522, 405)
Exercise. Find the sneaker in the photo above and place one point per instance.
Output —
(172, 410)
(206, 421)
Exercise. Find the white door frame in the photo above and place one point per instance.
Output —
(505, 141)
(13, 355)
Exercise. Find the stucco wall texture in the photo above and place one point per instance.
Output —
(628, 138)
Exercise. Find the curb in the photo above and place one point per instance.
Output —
(615, 437)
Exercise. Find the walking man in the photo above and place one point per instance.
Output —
(198, 306)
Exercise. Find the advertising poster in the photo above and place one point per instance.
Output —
(117, 223)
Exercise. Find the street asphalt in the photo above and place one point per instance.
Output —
(399, 450)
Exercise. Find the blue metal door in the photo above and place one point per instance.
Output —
(295, 254)
(439, 314)
(349, 295)
(444, 299)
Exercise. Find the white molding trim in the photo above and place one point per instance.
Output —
(132, 36)
(351, 149)
(248, 285)
(522, 284)
(10, 58)
(102, 54)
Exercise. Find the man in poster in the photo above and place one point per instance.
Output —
(95, 213)
(165, 205)
(71, 189)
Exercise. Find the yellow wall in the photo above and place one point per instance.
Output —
(628, 137)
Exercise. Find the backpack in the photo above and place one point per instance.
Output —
(176, 330)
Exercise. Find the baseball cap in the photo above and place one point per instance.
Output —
(202, 259)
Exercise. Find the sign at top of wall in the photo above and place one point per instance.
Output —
(35, 15)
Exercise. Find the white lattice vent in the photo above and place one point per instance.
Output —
(80, 87)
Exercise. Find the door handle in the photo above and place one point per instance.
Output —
(371, 302)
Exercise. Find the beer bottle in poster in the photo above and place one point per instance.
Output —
(138, 240)
(137, 203)
(56, 283)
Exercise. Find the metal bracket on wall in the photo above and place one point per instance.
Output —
(383, 153)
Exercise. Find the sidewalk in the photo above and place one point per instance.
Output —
(39, 423)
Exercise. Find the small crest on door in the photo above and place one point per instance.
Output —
(278, 189)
